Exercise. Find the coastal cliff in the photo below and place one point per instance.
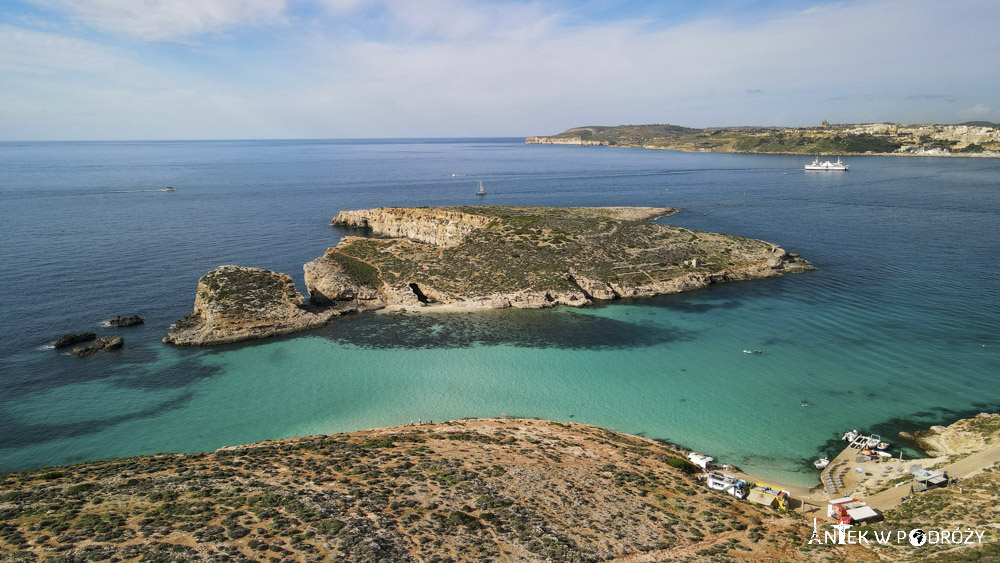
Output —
(436, 226)
(498, 257)
(963, 437)
(569, 140)
(477, 258)
(235, 303)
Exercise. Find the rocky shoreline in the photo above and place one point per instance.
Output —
(476, 258)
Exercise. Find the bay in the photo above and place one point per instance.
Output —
(896, 329)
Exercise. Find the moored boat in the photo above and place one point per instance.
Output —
(821, 462)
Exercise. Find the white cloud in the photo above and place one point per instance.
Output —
(164, 20)
(34, 52)
(442, 67)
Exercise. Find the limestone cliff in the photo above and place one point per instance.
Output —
(498, 257)
(437, 226)
(576, 141)
(234, 303)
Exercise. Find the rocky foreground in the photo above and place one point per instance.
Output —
(477, 258)
(468, 490)
(477, 490)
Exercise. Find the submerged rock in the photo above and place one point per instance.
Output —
(126, 321)
(102, 344)
(70, 338)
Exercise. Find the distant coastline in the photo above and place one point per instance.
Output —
(973, 139)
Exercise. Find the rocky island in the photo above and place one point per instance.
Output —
(477, 257)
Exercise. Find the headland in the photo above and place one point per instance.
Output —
(967, 139)
(474, 258)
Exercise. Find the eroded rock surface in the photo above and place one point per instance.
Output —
(102, 344)
(478, 257)
(69, 339)
(236, 303)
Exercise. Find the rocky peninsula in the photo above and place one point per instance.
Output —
(477, 257)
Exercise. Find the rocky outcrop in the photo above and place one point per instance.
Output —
(71, 338)
(328, 282)
(125, 321)
(965, 436)
(102, 344)
(439, 227)
(235, 303)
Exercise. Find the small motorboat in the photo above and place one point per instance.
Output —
(850, 436)
(874, 440)
(821, 462)
(882, 445)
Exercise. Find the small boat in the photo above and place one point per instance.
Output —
(481, 190)
(832, 166)
(882, 445)
(874, 440)
(821, 462)
(850, 435)
(753, 351)
(170, 189)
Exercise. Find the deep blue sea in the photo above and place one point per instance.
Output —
(896, 329)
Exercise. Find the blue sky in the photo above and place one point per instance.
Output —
(225, 69)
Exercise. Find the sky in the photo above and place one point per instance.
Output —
(278, 69)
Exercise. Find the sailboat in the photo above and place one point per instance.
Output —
(481, 190)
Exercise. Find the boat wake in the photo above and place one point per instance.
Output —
(141, 191)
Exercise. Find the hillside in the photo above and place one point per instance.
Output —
(476, 490)
(970, 139)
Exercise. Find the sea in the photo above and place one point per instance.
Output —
(896, 329)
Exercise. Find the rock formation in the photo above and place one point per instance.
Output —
(577, 141)
(102, 344)
(965, 436)
(126, 321)
(234, 303)
(439, 227)
(71, 338)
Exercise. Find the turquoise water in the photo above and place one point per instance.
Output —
(895, 330)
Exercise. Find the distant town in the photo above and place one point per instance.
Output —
(974, 138)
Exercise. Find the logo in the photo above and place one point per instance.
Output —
(917, 537)
(842, 534)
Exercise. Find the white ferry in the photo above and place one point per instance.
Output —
(833, 166)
